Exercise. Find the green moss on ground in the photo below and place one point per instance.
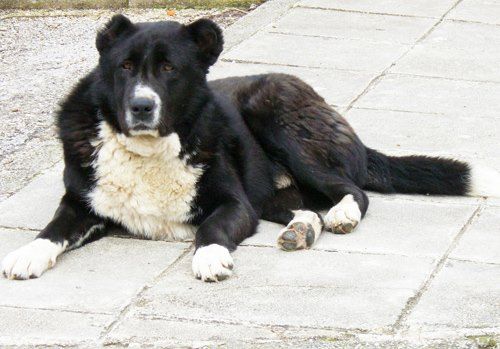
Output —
(180, 4)
(92, 4)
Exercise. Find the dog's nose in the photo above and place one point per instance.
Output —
(142, 108)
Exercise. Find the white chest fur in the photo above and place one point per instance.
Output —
(143, 184)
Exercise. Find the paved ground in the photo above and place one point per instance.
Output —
(411, 77)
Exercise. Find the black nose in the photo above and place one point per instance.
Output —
(142, 108)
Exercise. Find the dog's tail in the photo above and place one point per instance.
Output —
(429, 175)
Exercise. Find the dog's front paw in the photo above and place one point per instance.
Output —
(343, 217)
(31, 260)
(212, 263)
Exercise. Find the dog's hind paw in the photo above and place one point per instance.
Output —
(296, 236)
(212, 263)
(343, 217)
(301, 232)
(31, 260)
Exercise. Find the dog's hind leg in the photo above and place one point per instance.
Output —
(301, 132)
(303, 227)
(350, 205)
(302, 232)
(72, 226)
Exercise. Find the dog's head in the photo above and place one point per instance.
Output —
(151, 73)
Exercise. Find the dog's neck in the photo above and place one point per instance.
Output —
(166, 147)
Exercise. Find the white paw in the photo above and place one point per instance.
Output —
(343, 217)
(212, 263)
(31, 260)
(302, 231)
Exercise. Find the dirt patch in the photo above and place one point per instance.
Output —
(116, 4)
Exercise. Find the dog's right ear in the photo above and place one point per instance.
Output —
(117, 27)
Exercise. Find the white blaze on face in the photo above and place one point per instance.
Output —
(144, 91)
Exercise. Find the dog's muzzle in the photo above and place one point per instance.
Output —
(143, 112)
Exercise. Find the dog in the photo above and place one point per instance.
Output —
(152, 148)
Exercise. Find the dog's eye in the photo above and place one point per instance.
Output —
(167, 67)
(127, 65)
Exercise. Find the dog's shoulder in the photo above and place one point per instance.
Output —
(77, 119)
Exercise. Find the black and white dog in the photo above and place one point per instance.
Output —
(151, 147)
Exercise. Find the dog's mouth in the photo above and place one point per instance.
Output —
(142, 129)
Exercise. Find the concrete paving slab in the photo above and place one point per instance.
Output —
(317, 52)
(336, 340)
(34, 205)
(49, 328)
(35, 156)
(443, 199)
(100, 277)
(463, 295)
(308, 288)
(14, 238)
(481, 241)
(355, 26)
(493, 202)
(261, 17)
(456, 50)
(266, 235)
(179, 332)
(484, 11)
(390, 227)
(399, 227)
(425, 8)
(338, 87)
(433, 95)
(472, 136)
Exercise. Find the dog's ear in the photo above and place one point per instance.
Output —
(117, 27)
(208, 36)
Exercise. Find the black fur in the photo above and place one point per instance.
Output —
(416, 174)
(245, 131)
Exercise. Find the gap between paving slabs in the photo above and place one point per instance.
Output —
(399, 325)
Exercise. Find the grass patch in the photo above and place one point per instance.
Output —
(93, 4)
(197, 4)
(485, 342)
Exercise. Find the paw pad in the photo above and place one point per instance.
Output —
(297, 236)
(344, 227)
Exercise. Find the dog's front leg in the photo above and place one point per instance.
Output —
(73, 225)
(219, 234)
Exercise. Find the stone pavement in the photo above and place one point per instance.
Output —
(411, 77)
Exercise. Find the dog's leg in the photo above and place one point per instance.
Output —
(302, 231)
(72, 226)
(346, 214)
(350, 205)
(303, 227)
(279, 209)
(219, 234)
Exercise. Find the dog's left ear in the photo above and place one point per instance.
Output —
(208, 37)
